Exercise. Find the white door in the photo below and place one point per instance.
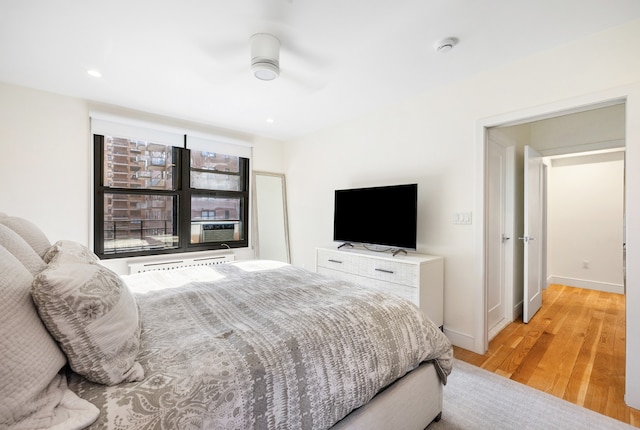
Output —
(497, 238)
(533, 233)
(500, 244)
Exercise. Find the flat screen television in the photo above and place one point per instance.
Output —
(384, 215)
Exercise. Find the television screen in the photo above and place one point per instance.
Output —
(377, 216)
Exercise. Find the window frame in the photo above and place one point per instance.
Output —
(182, 207)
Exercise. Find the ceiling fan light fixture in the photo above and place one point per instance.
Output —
(265, 56)
(265, 70)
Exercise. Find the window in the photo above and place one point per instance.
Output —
(154, 198)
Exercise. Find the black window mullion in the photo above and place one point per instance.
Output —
(98, 200)
(184, 199)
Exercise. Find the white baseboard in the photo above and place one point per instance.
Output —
(517, 310)
(589, 285)
(461, 340)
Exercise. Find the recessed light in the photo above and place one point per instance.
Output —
(94, 73)
(270, 120)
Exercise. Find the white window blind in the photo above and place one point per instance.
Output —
(135, 131)
(196, 143)
(128, 128)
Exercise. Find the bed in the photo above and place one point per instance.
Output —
(251, 344)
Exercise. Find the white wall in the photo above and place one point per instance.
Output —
(45, 149)
(585, 219)
(436, 140)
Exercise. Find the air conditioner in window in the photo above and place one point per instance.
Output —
(218, 232)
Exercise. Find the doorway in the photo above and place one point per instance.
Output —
(564, 134)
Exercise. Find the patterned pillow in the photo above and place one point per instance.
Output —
(75, 249)
(92, 314)
(33, 394)
(29, 232)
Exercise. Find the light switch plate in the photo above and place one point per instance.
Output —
(463, 218)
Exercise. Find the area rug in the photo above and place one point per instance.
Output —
(477, 399)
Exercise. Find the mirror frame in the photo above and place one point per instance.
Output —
(256, 210)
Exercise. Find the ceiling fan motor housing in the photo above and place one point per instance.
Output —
(265, 56)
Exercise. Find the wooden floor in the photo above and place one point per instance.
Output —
(573, 348)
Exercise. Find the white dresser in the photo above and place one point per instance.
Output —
(416, 277)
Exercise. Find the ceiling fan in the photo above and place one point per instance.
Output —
(279, 51)
(301, 69)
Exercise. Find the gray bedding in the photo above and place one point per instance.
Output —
(262, 345)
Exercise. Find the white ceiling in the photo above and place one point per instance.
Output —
(189, 59)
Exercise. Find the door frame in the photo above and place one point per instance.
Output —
(630, 95)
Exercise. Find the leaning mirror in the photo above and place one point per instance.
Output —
(270, 217)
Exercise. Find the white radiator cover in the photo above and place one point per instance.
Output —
(149, 266)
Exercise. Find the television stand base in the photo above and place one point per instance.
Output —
(398, 251)
(350, 245)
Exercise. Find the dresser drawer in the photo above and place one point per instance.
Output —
(404, 291)
(389, 271)
(341, 262)
(374, 268)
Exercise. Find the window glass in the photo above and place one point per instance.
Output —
(213, 171)
(134, 222)
(212, 161)
(137, 164)
(215, 219)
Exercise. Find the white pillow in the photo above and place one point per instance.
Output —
(89, 310)
(32, 394)
(15, 244)
(29, 232)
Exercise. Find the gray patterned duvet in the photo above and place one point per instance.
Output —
(262, 345)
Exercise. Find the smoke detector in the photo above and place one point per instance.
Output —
(265, 56)
(445, 45)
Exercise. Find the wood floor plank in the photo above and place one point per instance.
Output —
(634, 419)
(554, 370)
(504, 336)
(579, 381)
(602, 372)
(532, 333)
(615, 406)
(494, 363)
(524, 373)
(573, 348)
(570, 338)
(569, 343)
(468, 356)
